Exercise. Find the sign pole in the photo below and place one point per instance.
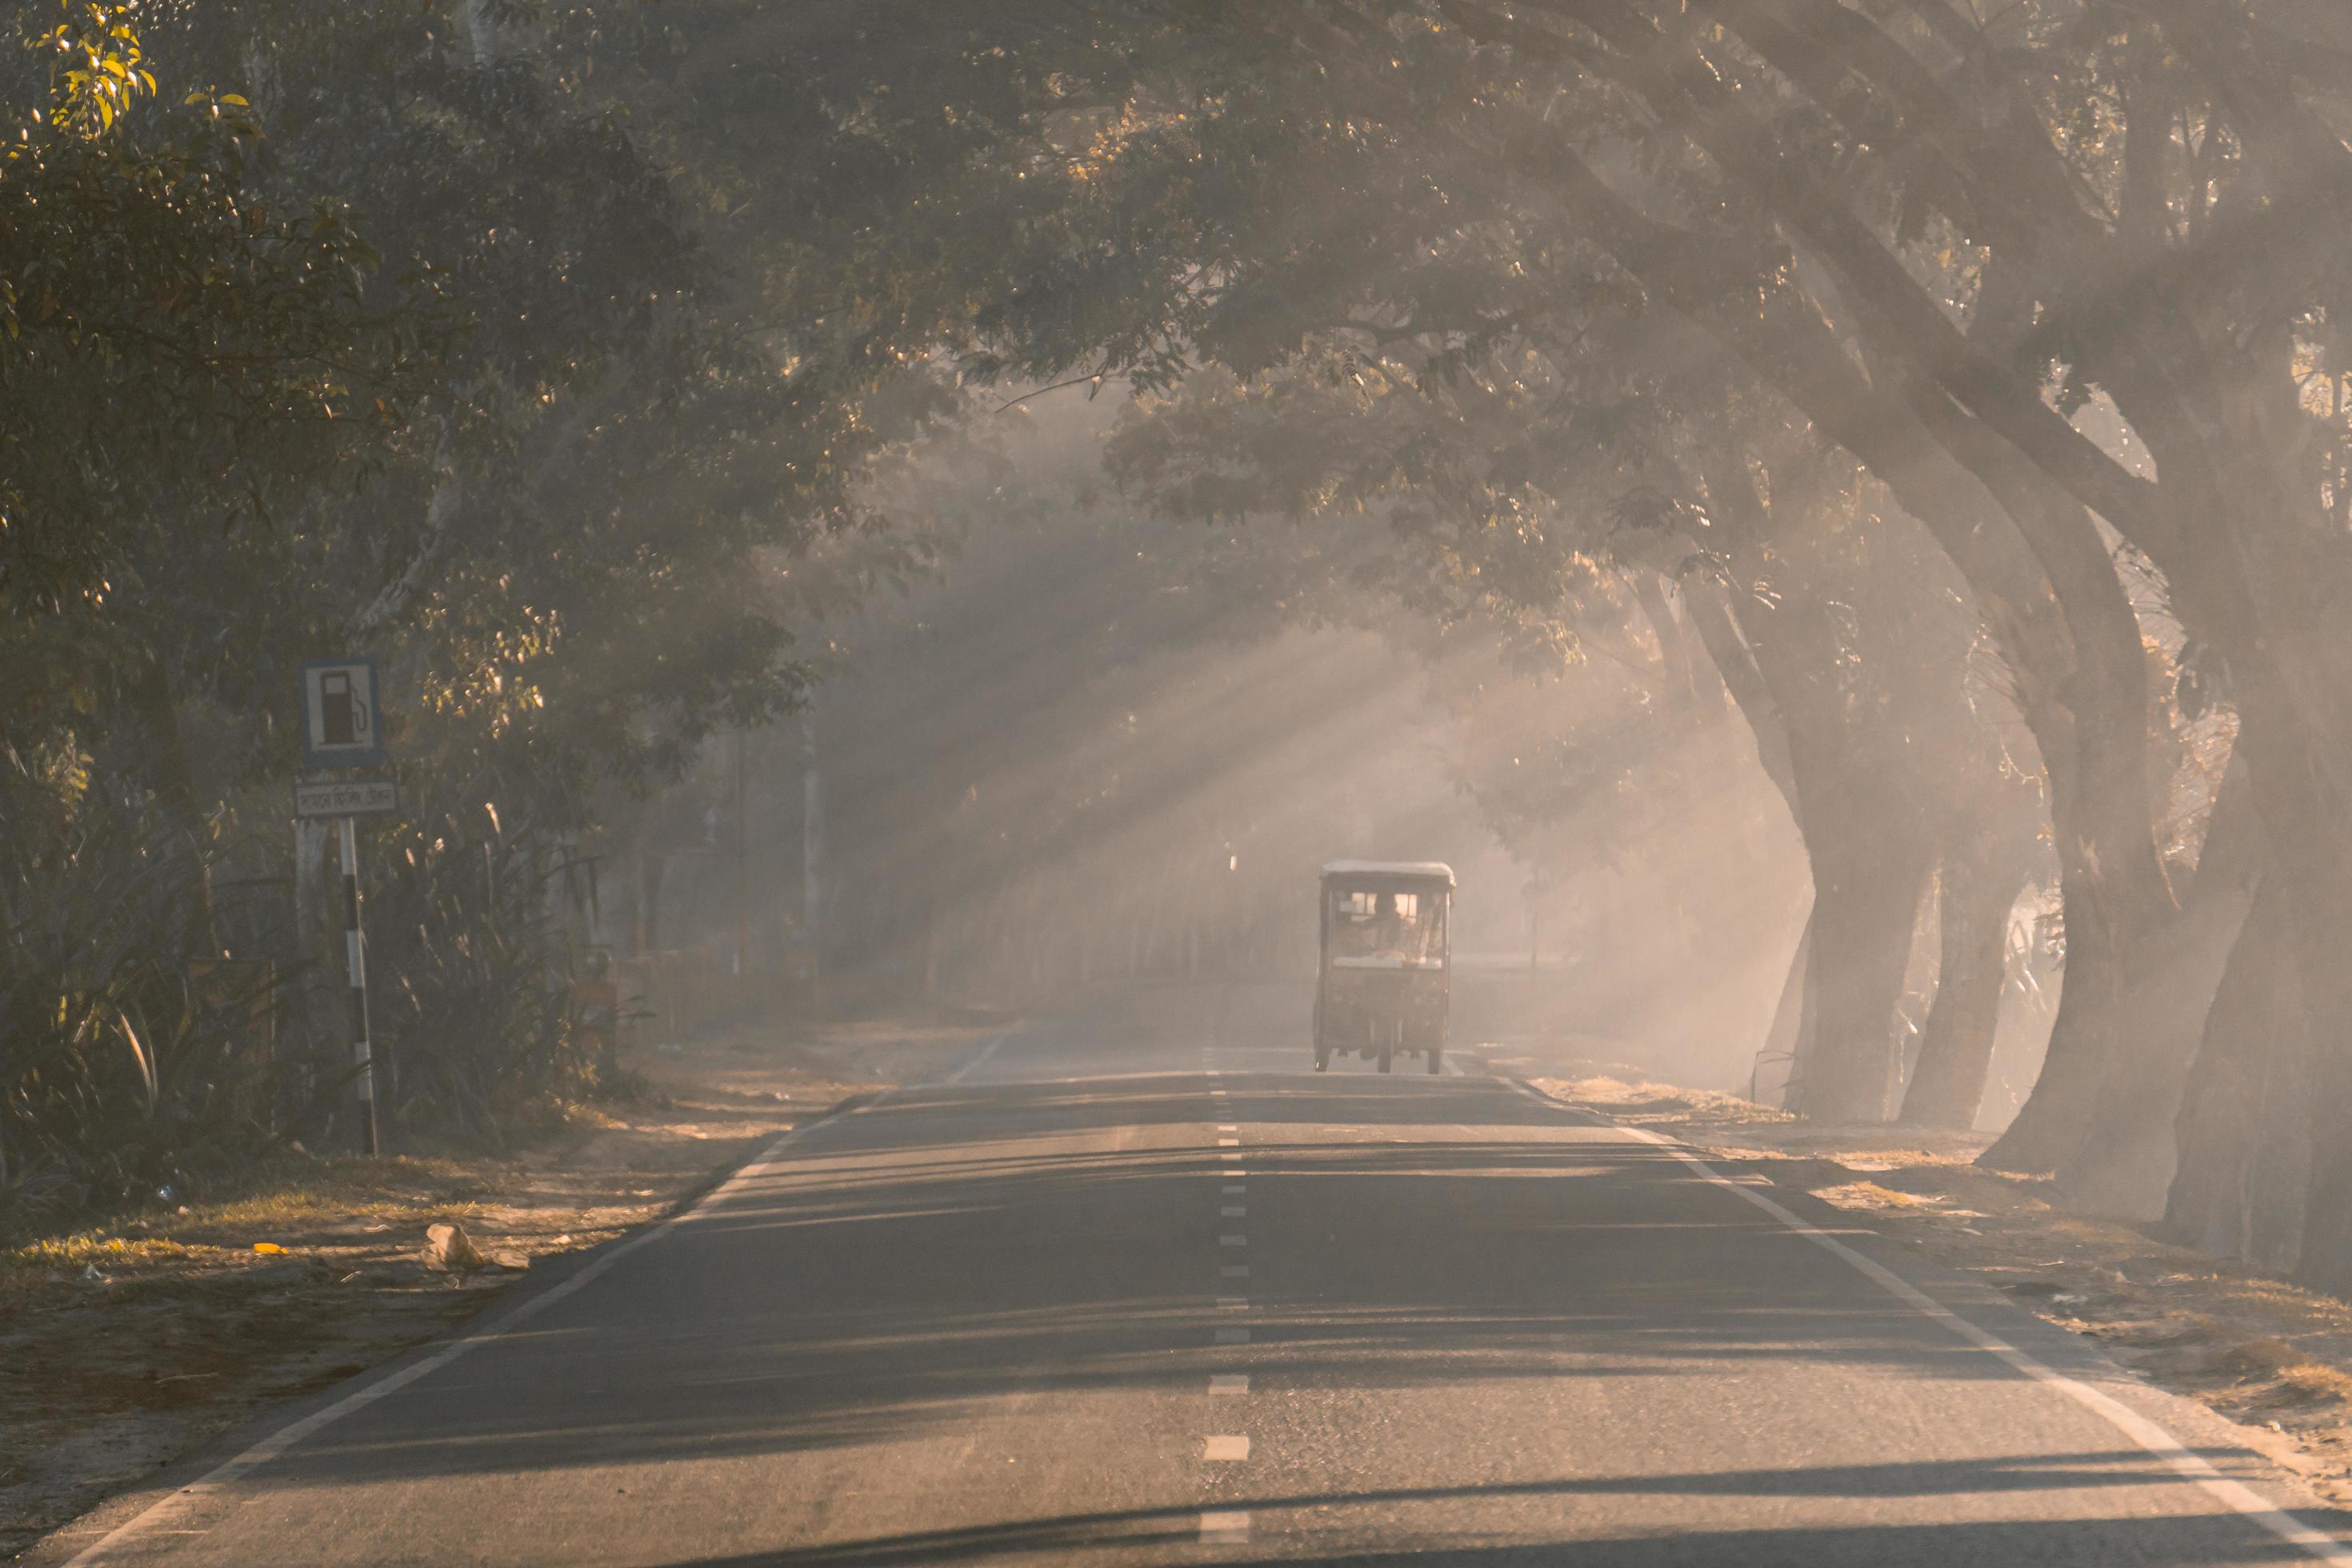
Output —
(355, 948)
(343, 728)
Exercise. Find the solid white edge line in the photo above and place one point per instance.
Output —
(973, 1066)
(151, 1519)
(2237, 1496)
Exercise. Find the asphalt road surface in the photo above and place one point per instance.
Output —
(1136, 1289)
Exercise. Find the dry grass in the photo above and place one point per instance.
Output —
(1870, 1195)
(125, 1345)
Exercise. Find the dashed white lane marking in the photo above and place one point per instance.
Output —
(1227, 1127)
(1225, 1530)
(1229, 1382)
(1229, 1154)
(1233, 1303)
(2234, 1495)
(1224, 1450)
(1234, 1189)
(1231, 1240)
(1233, 1336)
(1233, 1272)
(1234, 1211)
(156, 1519)
(1229, 1143)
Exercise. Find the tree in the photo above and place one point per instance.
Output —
(1929, 276)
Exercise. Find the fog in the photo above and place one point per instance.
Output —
(1089, 746)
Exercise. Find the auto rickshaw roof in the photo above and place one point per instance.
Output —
(1390, 870)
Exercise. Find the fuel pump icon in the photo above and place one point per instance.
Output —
(343, 717)
(341, 727)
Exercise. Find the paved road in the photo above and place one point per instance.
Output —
(1138, 1291)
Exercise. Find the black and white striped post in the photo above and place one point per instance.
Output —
(341, 729)
(355, 950)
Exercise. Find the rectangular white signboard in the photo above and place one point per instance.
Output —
(346, 797)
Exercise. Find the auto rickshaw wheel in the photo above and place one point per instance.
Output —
(1322, 1059)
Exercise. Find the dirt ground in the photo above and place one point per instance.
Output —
(2274, 1358)
(125, 1346)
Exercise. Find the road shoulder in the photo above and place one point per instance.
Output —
(2271, 1362)
(128, 1347)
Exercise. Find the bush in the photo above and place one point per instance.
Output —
(472, 970)
(118, 1072)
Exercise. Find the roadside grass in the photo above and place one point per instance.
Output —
(127, 1339)
(92, 1248)
(1869, 1195)
(285, 1202)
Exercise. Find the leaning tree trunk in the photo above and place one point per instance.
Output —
(2244, 1130)
(2311, 872)
(1956, 1046)
(2058, 614)
(1866, 892)
(2125, 1162)
(1788, 1040)
(1869, 852)
(2118, 910)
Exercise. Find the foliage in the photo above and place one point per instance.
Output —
(473, 1004)
(186, 351)
(407, 345)
(116, 1074)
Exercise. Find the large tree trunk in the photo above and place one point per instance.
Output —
(1788, 1041)
(1851, 789)
(2093, 730)
(1870, 857)
(1789, 1037)
(2304, 820)
(1734, 666)
(2125, 1162)
(2245, 1130)
(1956, 1046)
(1866, 894)
(2118, 908)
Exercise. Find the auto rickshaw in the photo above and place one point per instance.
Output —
(1382, 986)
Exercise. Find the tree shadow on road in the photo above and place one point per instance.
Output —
(897, 1275)
(1474, 1524)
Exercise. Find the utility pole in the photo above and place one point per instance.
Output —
(743, 871)
(812, 826)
